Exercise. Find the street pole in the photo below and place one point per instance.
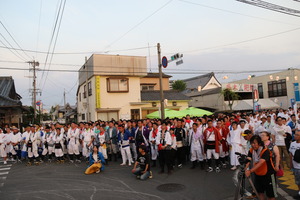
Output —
(162, 105)
(87, 91)
(253, 98)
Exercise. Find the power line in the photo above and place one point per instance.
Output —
(142, 21)
(240, 42)
(14, 39)
(12, 51)
(172, 72)
(62, 12)
(233, 12)
(73, 53)
(52, 36)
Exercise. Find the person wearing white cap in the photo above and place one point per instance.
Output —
(32, 146)
(23, 143)
(3, 153)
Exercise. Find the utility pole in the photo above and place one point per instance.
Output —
(162, 102)
(87, 91)
(34, 91)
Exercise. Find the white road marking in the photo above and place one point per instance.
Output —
(3, 173)
(3, 169)
(2, 166)
(1, 184)
(3, 178)
(284, 194)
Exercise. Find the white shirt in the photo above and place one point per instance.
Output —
(294, 146)
(278, 131)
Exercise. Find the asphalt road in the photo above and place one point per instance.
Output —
(68, 181)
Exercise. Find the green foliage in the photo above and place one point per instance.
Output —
(230, 96)
(179, 85)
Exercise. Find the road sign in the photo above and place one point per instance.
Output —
(179, 62)
(38, 103)
(164, 61)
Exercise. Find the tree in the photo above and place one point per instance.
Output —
(230, 96)
(179, 85)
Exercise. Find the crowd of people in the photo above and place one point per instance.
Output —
(208, 141)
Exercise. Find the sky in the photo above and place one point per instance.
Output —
(212, 35)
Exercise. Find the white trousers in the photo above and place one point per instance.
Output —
(222, 153)
(154, 151)
(196, 154)
(3, 151)
(12, 150)
(58, 152)
(103, 151)
(126, 154)
(133, 149)
(33, 151)
(48, 150)
(73, 149)
(85, 150)
(212, 152)
(233, 157)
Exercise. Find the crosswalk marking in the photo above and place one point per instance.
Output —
(3, 178)
(3, 166)
(3, 173)
(3, 169)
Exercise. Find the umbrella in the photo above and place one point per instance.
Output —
(195, 112)
(168, 113)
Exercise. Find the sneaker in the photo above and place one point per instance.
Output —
(299, 193)
(71, 161)
(210, 169)
(98, 171)
(138, 177)
(78, 161)
(179, 166)
(129, 164)
(150, 175)
(5, 162)
(123, 164)
(218, 169)
(233, 168)
(224, 165)
(132, 161)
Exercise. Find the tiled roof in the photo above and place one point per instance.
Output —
(8, 95)
(154, 95)
(193, 83)
(205, 92)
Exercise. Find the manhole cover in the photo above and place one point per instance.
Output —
(170, 187)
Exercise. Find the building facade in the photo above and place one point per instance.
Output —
(119, 87)
(281, 87)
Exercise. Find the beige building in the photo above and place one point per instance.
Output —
(119, 87)
(281, 87)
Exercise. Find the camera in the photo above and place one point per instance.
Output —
(242, 158)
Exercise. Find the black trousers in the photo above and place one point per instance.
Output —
(180, 155)
(164, 158)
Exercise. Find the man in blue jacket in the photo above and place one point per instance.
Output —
(123, 139)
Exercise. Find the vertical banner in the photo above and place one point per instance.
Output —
(97, 87)
(297, 92)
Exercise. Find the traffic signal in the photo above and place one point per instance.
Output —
(176, 56)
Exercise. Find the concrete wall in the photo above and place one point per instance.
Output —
(283, 101)
(215, 101)
(155, 81)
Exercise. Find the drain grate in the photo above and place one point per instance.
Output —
(170, 187)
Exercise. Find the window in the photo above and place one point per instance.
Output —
(83, 117)
(277, 88)
(79, 96)
(117, 85)
(260, 90)
(147, 87)
(84, 91)
(90, 88)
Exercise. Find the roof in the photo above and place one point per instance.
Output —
(194, 82)
(8, 95)
(205, 92)
(154, 95)
(156, 75)
(248, 104)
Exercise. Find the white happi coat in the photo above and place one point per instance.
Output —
(235, 141)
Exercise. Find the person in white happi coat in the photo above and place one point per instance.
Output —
(73, 142)
(242, 126)
(58, 143)
(123, 140)
(8, 145)
(88, 137)
(48, 143)
(153, 145)
(32, 146)
(15, 139)
(23, 143)
(234, 141)
(197, 146)
(3, 153)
